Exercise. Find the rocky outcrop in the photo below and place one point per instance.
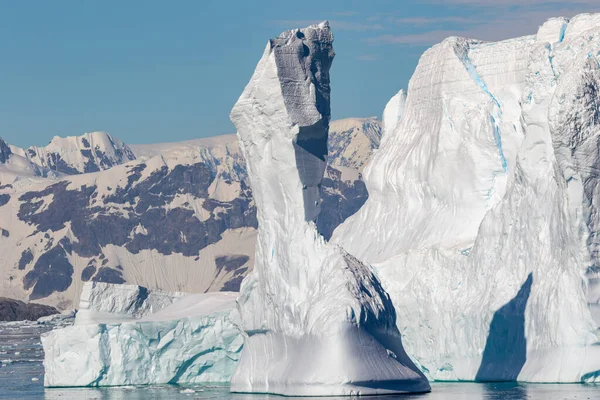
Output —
(15, 310)
(5, 151)
(91, 152)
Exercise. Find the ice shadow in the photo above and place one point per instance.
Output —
(505, 351)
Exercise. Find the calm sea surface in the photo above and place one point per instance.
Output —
(22, 376)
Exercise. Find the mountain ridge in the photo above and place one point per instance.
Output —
(179, 216)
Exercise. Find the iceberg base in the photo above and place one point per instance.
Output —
(349, 362)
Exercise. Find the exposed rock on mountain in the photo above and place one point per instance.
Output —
(165, 219)
(4, 151)
(91, 152)
(15, 310)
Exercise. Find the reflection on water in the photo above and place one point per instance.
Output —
(21, 377)
(463, 391)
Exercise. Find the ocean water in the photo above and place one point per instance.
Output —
(22, 376)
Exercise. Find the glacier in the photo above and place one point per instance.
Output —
(130, 335)
(482, 220)
(315, 320)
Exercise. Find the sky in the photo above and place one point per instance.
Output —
(162, 71)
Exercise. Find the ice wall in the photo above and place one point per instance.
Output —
(316, 320)
(134, 336)
(482, 215)
(103, 302)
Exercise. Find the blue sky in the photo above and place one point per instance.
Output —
(156, 71)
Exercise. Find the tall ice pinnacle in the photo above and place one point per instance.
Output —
(316, 321)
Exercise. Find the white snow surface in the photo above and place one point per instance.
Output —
(15, 166)
(103, 302)
(482, 219)
(392, 114)
(95, 151)
(315, 319)
(135, 336)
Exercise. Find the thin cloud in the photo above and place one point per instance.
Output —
(488, 28)
(425, 38)
(420, 21)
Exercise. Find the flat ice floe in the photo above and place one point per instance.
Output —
(129, 335)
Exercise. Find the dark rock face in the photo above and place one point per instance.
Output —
(51, 273)
(15, 310)
(4, 199)
(109, 275)
(56, 163)
(235, 263)
(26, 258)
(233, 285)
(340, 200)
(4, 151)
(175, 230)
(230, 263)
(145, 222)
(88, 272)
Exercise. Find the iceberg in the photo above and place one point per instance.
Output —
(130, 335)
(482, 220)
(315, 320)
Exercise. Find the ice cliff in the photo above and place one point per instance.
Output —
(482, 220)
(316, 320)
(129, 335)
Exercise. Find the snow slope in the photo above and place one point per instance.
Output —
(482, 214)
(316, 321)
(129, 335)
(14, 167)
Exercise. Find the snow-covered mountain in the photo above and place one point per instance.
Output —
(14, 166)
(91, 152)
(482, 219)
(173, 216)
